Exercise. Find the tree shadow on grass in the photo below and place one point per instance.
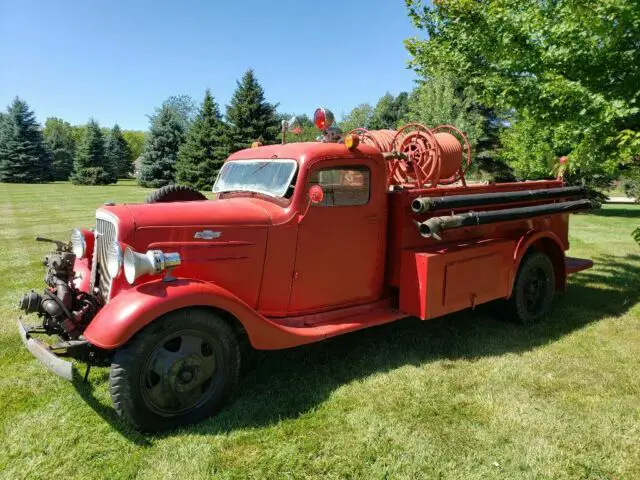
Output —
(616, 212)
(106, 411)
(286, 384)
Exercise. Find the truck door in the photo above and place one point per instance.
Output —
(341, 240)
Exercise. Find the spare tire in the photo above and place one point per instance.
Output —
(175, 193)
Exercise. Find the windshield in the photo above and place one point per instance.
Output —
(269, 177)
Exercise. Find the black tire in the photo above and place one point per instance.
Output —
(175, 193)
(178, 370)
(533, 289)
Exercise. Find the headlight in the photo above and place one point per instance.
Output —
(153, 262)
(78, 243)
(114, 259)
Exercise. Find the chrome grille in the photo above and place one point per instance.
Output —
(106, 233)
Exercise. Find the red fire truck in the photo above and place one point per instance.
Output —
(303, 241)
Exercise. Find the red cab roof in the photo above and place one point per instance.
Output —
(306, 152)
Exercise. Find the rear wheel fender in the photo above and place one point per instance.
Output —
(548, 243)
(133, 309)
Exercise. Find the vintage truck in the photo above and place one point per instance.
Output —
(303, 241)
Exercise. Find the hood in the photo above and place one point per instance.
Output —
(211, 213)
(222, 241)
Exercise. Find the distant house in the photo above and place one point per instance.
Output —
(137, 163)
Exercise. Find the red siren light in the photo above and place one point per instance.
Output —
(323, 118)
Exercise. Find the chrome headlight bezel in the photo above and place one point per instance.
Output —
(115, 259)
(78, 243)
(129, 265)
(152, 262)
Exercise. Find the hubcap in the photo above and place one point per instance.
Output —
(534, 292)
(180, 373)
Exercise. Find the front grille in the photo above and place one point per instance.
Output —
(106, 233)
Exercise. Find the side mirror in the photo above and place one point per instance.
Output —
(316, 194)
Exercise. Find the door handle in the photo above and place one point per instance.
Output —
(373, 218)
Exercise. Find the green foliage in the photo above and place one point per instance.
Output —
(389, 112)
(440, 101)
(90, 166)
(23, 156)
(183, 106)
(636, 235)
(360, 117)
(205, 148)
(573, 67)
(629, 145)
(528, 149)
(161, 149)
(60, 141)
(249, 116)
(303, 124)
(118, 153)
(135, 139)
(78, 132)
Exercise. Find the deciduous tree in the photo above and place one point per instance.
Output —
(570, 66)
(135, 139)
(183, 106)
(359, 117)
(439, 101)
(303, 129)
(389, 112)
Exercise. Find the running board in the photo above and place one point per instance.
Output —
(300, 335)
(575, 265)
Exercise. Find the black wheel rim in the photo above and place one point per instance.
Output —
(535, 291)
(181, 373)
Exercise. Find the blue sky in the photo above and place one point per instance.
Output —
(115, 61)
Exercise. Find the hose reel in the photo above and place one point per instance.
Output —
(421, 157)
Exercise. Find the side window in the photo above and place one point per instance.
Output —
(343, 186)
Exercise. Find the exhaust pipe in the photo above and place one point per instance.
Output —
(432, 227)
(424, 204)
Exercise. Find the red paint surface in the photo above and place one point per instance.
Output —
(292, 272)
(452, 277)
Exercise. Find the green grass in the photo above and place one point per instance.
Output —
(466, 396)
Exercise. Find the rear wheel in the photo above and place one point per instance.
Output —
(533, 289)
(178, 370)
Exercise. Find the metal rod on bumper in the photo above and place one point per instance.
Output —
(434, 226)
(50, 360)
(424, 204)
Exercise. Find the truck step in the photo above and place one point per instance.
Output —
(574, 265)
(338, 325)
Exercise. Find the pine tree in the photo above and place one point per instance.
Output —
(23, 156)
(90, 162)
(205, 148)
(249, 116)
(161, 150)
(59, 140)
(118, 153)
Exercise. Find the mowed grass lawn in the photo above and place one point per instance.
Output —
(466, 396)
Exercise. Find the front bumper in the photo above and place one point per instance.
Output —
(40, 350)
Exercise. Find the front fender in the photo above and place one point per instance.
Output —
(133, 309)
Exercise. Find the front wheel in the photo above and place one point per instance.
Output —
(533, 289)
(178, 370)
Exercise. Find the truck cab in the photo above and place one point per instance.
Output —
(327, 252)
